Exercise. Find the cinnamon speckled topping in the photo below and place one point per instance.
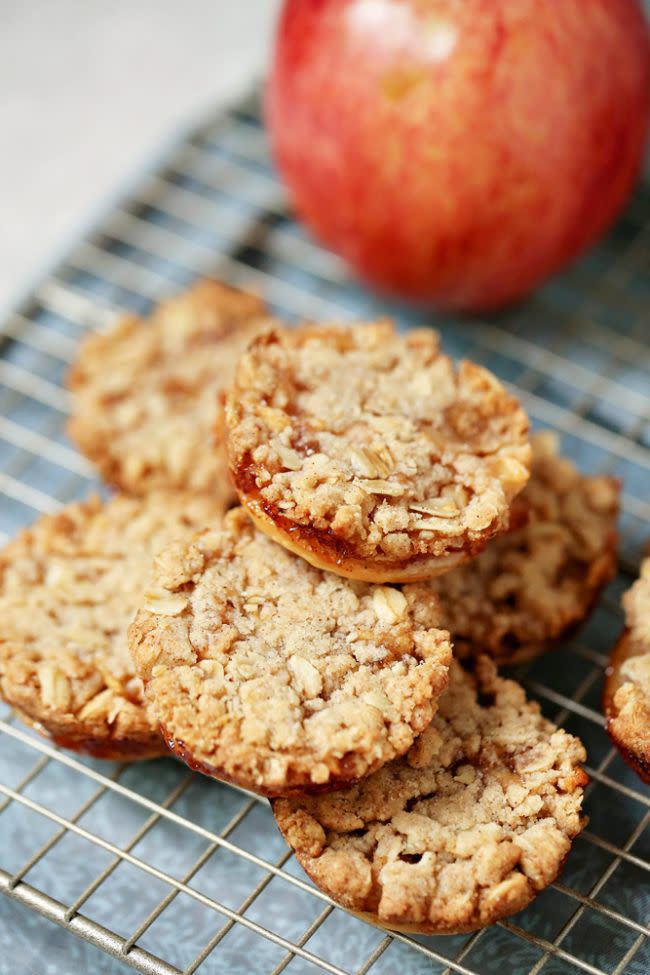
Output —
(464, 830)
(146, 394)
(531, 587)
(268, 672)
(370, 453)
(69, 587)
(627, 687)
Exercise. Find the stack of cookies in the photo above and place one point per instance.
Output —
(332, 640)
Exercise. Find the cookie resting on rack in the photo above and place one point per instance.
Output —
(466, 829)
(267, 672)
(69, 587)
(145, 395)
(532, 587)
(369, 453)
(627, 684)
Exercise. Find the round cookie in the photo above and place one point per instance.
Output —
(369, 454)
(531, 587)
(464, 830)
(627, 684)
(145, 395)
(69, 587)
(267, 672)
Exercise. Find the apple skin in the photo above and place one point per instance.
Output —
(457, 152)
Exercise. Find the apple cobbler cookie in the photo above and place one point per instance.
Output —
(467, 828)
(531, 587)
(145, 395)
(69, 587)
(369, 453)
(627, 685)
(270, 673)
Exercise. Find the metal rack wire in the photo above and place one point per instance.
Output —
(171, 873)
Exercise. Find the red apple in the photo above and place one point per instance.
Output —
(459, 151)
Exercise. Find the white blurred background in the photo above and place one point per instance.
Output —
(90, 90)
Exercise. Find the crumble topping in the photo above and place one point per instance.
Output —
(146, 394)
(266, 671)
(531, 586)
(69, 587)
(465, 829)
(627, 688)
(373, 445)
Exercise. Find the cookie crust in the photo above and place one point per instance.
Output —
(146, 394)
(532, 587)
(369, 453)
(626, 696)
(69, 587)
(269, 673)
(464, 830)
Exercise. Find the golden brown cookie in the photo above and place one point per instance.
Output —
(627, 684)
(531, 587)
(69, 587)
(464, 830)
(267, 672)
(369, 454)
(146, 394)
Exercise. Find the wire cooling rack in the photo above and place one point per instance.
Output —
(169, 872)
